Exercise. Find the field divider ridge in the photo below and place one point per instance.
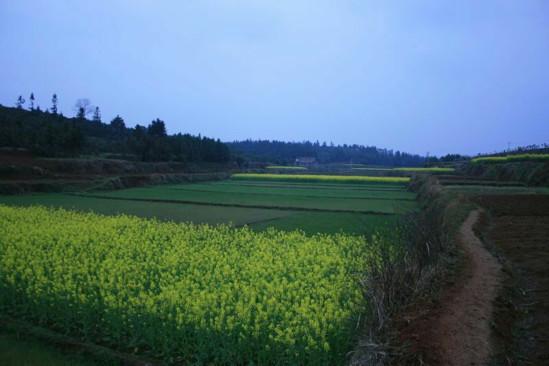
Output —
(296, 195)
(284, 185)
(288, 208)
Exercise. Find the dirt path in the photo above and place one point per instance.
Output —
(460, 333)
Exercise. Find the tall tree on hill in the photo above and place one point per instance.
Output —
(157, 128)
(31, 102)
(83, 108)
(96, 115)
(20, 102)
(118, 126)
(54, 104)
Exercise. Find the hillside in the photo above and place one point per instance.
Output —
(53, 135)
(281, 152)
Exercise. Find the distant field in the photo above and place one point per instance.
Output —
(286, 167)
(434, 169)
(367, 166)
(163, 211)
(511, 158)
(372, 169)
(359, 201)
(407, 169)
(320, 178)
(308, 206)
(493, 189)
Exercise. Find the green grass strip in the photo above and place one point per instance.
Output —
(434, 169)
(283, 167)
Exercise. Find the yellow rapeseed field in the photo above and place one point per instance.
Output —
(183, 292)
(511, 158)
(319, 178)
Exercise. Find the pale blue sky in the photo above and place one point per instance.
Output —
(420, 76)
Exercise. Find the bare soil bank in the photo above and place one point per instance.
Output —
(518, 229)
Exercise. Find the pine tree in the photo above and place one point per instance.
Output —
(32, 102)
(20, 102)
(81, 113)
(83, 108)
(54, 104)
(157, 128)
(96, 115)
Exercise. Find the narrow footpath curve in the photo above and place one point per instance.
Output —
(461, 330)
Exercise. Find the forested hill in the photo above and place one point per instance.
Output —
(280, 152)
(52, 134)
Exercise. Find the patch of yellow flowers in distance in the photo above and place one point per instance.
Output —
(319, 178)
(511, 158)
(182, 292)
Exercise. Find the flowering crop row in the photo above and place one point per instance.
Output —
(182, 292)
(357, 179)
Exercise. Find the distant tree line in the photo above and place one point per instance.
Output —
(49, 133)
(280, 152)
(532, 149)
(448, 158)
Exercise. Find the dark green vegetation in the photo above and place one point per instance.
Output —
(311, 207)
(334, 198)
(163, 211)
(286, 153)
(15, 351)
(531, 173)
(51, 134)
(432, 169)
(285, 167)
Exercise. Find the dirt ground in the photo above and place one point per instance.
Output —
(518, 229)
(456, 330)
(496, 311)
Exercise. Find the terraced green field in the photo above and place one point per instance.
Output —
(314, 207)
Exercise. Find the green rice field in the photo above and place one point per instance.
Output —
(286, 167)
(433, 169)
(313, 207)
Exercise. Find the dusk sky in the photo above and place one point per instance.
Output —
(418, 76)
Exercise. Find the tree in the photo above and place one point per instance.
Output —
(31, 102)
(118, 123)
(118, 127)
(20, 102)
(54, 104)
(157, 128)
(83, 108)
(97, 115)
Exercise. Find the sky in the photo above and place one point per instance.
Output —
(423, 76)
